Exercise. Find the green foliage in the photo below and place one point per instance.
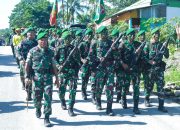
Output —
(173, 76)
(34, 13)
(121, 25)
(4, 34)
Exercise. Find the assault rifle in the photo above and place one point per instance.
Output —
(102, 63)
(75, 48)
(136, 56)
(158, 57)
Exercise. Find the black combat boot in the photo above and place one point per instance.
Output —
(93, 98)
(109, 111)
(29, 98)
(84, 94)
(123, 102)
(98, 104)
(38, 113)
(70, 110)
(136, 109)
(147, 102)
(161, 106)
(47, 122)
(118, 100)
(63, 104)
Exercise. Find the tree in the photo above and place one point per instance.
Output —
(31, 13)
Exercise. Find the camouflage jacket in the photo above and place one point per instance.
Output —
(61, 55)
(41, 60)
(103, 47)
(24, 48)
(127, 53)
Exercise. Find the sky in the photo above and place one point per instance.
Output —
(6, 7)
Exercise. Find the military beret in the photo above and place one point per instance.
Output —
(58, 32)
(64, 30)
(155, 30)
(114, 32)
(65, 34)
(41, 35)
(89, 31)
(140, 33)
(78, 32)
(100, 29)
(129, 31)
(18, 29)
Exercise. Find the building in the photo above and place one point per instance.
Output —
(145, 9)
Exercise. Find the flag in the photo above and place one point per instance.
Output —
(100, 12)
(53, 15)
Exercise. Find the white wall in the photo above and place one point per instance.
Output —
(172, 12)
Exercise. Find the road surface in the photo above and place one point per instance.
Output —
(14, 114)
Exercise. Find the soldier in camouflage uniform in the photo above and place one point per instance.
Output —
(105, 75)
(22, 52)
(129, 71)
(41, 61)
(141, 36)
(86, 54)
(157, 74)
(68, 74)
(115, 34)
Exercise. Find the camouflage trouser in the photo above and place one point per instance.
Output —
(86, 72)
(42, 84)
(157, 78)
(72, 89)
(22, 70)
(105, 76)
(135, 77)
(93, 82)
(147, 87)
(125, 80)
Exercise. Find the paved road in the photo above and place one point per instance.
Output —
(14, 115)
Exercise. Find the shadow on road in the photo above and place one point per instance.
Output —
(7, 60)
(94, 122)
(13, 106)
(7, 74)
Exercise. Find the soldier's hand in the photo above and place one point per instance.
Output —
(57, 83)
(102, 58)
(152, 62)
(60, 67)
(125, 66)
(84, 61)
(22, 62)
(27, 81)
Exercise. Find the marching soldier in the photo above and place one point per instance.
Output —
(130, 69)
(22, 52)
(40, 64)
(114, 35)
(68, 74)
(105, 75)
(156, 75)
(86, 52)
(142, 38)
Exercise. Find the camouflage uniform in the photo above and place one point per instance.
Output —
(22, 52)
(42, 61)
(157, 75)
(68, 74)
(105, 75)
